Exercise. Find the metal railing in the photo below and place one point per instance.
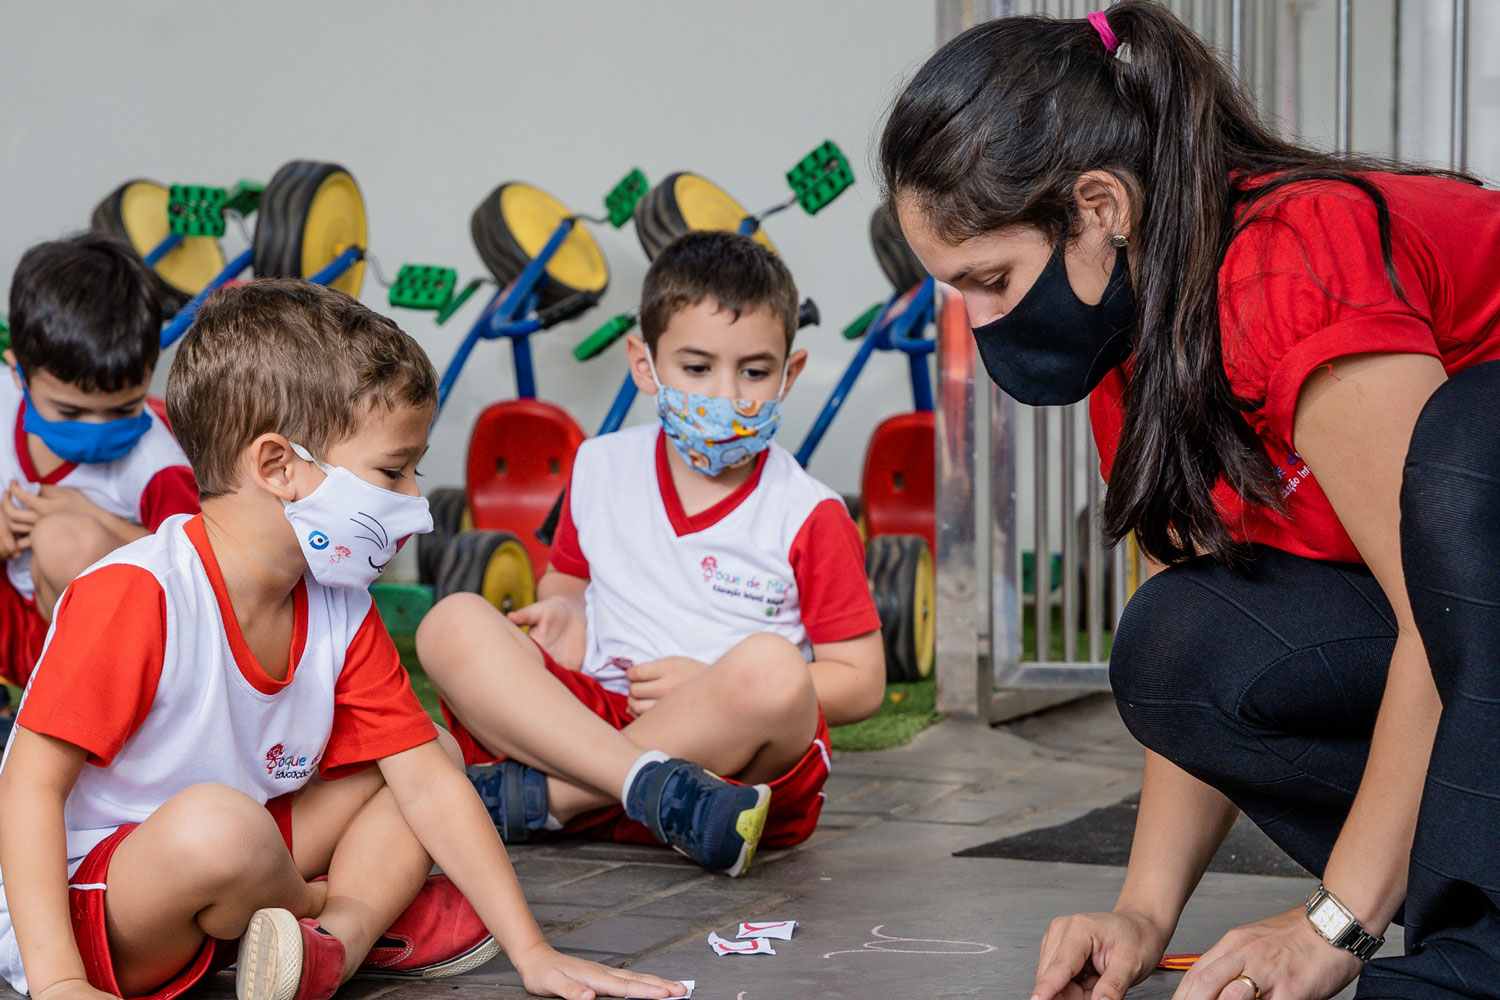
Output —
(984, 437)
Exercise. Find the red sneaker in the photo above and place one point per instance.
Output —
(439, 935)
(283, 958)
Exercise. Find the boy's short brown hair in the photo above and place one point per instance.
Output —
(734, 270)
(290, 357)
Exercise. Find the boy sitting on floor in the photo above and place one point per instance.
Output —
(706, 598)
(86, 466)
(217, 676)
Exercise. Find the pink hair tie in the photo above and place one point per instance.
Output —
(1106, 34)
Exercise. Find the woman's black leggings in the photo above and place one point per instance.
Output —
(1266, 686)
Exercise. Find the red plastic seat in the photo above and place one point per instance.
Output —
(520, 457)
(899, 487)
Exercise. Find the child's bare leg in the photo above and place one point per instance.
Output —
(353, 830)
(200, 865)
(493, 679)
(750, 716)
(62, 546)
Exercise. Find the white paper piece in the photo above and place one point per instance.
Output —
(756, 946)
(781, 930)
(689, 983)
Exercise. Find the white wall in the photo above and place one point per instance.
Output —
(430, 105)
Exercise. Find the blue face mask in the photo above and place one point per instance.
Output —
(711, 433)
(82, 442)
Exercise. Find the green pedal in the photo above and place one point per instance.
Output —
(4, 334)
(244, 198)
(861, 324)
(622, 198)
(606, 335)
(196, 210)
(401, 605)
(423, 286)
(820, 177)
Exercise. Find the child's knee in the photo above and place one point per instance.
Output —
(770, 675)
(64, 545)
(447, 630)
(220, 834)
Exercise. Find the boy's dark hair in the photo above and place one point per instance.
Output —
(285, 356)
(735, 271)
(86, 310)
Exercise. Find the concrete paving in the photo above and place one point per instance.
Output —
(885, 910)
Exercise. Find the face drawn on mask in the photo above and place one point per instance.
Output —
(371, 530)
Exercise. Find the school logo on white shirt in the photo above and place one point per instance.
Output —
(769, 591)
(290, 766)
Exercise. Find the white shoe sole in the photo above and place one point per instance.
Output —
(270, 957)
(457, 965)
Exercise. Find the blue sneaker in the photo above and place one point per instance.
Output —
(712, 821)
(515, 796)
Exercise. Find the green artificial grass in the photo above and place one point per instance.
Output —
(906, 711)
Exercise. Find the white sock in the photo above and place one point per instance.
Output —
(552, 823)
(649, 757)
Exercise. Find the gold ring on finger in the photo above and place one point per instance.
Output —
(1254, 988)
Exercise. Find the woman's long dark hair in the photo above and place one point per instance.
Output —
(996, 129)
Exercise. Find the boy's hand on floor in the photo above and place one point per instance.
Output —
(72, 989)
(557, 626)
(652, 681)
(546, 972)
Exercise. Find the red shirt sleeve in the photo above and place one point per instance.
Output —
(173, 490)
(375, 712)
(828, 564)
(97, 676)
(567, 555)
(1305, 283)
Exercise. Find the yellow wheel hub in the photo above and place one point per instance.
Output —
(189, 265)
(704, 205)
(509, 583)
(532, 216)
(335, 222)
(924, 614)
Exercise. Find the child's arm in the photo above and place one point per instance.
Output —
(38, 776)
(557, 618)
(849, 677)
(441, 808)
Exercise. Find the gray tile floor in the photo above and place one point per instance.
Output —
(885, 909)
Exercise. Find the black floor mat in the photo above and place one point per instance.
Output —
(1102, 837)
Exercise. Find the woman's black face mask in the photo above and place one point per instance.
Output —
(1052, 348)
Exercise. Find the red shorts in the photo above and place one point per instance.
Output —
(86, 906)
(796, 796)
(22, 633)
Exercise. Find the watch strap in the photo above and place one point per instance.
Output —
(1354, 938)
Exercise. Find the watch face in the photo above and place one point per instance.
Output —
(1329, 919)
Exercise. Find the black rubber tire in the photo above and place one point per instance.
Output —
(503, 256)
(892, 563)
(447, 506)
(900, 265)
(280, 221)
(465, 558)
(107, 219)
(854, 505)
(657, 218)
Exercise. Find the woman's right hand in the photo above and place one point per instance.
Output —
(1097, 956)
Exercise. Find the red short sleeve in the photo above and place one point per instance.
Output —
(1305, 283)
(97, 676)
(375, 712)
(828, 564)
(173, 490)
(567, 555)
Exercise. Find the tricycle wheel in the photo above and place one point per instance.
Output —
(136, 212)
(492, 564)
(512, 225)
(447, 507)
(900, 572)
(310, 213)
(684, 202)
(891, 250)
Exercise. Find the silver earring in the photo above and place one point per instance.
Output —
(1119, 240)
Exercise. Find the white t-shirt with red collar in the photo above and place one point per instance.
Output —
(780, 555)
(147, 670)
(150, 483)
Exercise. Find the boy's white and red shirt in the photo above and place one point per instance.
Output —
(780, 554)
(147, 485)
(147, 670)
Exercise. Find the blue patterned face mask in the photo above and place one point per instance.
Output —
(711, 433)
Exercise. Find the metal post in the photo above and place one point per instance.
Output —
(1041, 559)
(1458, 153)
(1096, 556)
(1343, 80)
(1069, 534)
(1237, 38)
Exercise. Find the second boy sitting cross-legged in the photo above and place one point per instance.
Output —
(706, 600)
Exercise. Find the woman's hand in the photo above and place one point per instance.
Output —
(1097, 956)
(557, 625)
(1283, 955)
(545, 972)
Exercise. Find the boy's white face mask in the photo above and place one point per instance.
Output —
(349, 528)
